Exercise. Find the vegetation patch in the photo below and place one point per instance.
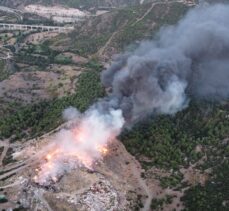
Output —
(213, 195)
(158, 204)
(34, 120)
(170, 141)
(61, 59)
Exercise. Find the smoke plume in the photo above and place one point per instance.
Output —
(189, 60)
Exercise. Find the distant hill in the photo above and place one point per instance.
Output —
(72, 3)
(114, 31)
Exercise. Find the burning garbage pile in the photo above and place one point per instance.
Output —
(189, 60)
(82, 144)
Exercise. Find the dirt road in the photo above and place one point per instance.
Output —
(4, 144)
(144, 186)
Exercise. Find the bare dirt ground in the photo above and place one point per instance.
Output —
(58, 13)
(145, 187)
(39, 37)
(75, 58)
(48, 11)
(33, 86)
(5, 145)
(128, 167)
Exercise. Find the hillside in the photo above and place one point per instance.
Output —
(38, 62)
(164, 162)
(113, 32)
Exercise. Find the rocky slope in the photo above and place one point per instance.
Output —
(114, 183)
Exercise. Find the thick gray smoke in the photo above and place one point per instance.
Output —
(188, 60)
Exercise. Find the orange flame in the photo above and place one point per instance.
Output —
(82, 157)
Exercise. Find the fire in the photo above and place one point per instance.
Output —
(48, 157)
(103, 150)
(79, 157)
(83, 145)
(51, 154)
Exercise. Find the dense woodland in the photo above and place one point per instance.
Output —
(214, 194)
(170, 142)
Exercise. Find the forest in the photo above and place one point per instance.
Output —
(171, 142)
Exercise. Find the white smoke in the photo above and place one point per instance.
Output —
(81, 145)
(174, 97)
(71, 113)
